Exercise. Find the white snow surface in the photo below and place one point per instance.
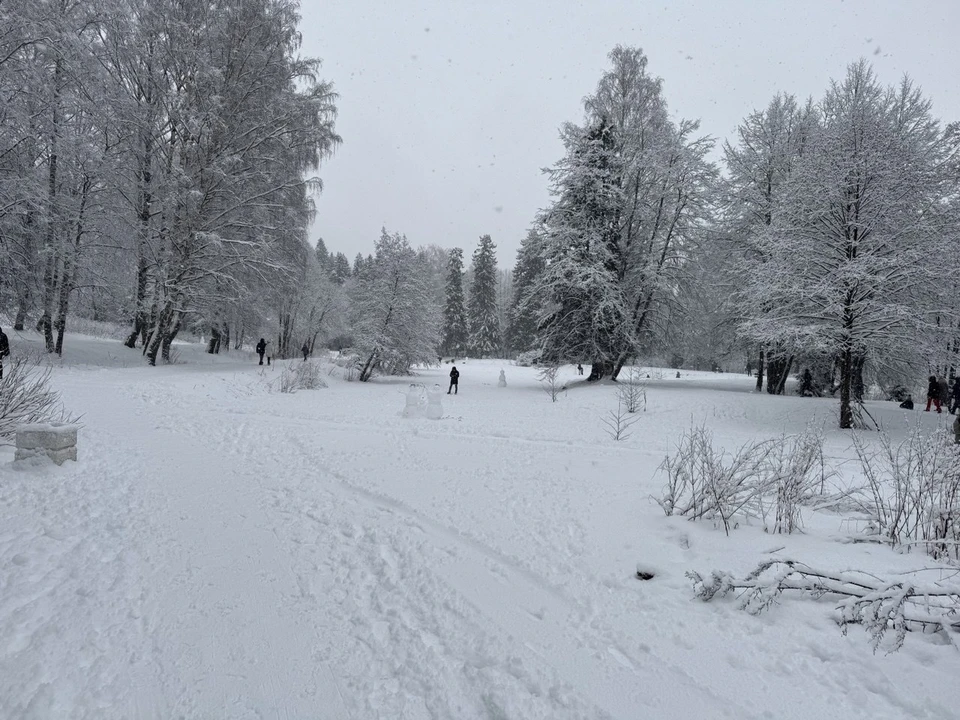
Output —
(222, 550)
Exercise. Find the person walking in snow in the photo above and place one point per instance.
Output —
(454, 381)
(4, 350)
(955, 396)
(579, 369)
(261, 349)
(305, 350)
(933, 393)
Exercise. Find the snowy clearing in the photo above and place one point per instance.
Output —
(222, 550)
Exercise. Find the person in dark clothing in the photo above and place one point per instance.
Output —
(933, 393)
(261, 349)
(955, 395)
(908, 403)
(454, 380)
(305, 350)
(579, 369)
(806, 384)
(4, 350)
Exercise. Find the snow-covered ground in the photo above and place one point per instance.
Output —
(222, 550)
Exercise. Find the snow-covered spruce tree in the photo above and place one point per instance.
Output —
(339, 268)
(396, 320)
(631, 199)
(485, 337)
(521, 334)
(854, 244)
(454, 315)
(769, 145)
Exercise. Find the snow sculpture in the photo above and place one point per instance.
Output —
(58, 441)
(502, 382)
(434, 406)
(412, 408)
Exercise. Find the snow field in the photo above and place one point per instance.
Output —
(221, 550)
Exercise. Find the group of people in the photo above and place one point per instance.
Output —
(940, 393)
(262, 350)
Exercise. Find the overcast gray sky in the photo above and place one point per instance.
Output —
(450, 108)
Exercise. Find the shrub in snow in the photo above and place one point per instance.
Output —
(913, 491)
(632, 391)
(619, 421)
(550, 382)
(796, 474)
(526, 359)
(862, 599)
(301, 376)
(783, 474)
(26, 397)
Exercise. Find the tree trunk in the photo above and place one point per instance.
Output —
(69, 266)
(140, 318)
(599, 369)
(50, 243)
(367, 369)
(152, 348)
(169, 336)
(23, 300)
(782, 380)
(846, 371)
(760, 368)
(856, 382)
(213, 346)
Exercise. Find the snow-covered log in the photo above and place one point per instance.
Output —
(862, 599)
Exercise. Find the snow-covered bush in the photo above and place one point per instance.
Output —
(527, 359)
(782, 474)
(301, 376)
(913, 491)
(27, 397)
(796, 473)
(704, 482)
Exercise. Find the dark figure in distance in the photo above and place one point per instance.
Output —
(579, 369)
(955, 395)
(261, 349)
(806, 384)
(908, 403)
(4, 350)
(454, 380)
(305, 350)
(933, 393)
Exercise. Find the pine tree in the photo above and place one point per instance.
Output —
(339, 268)
(358, 265)
(631, 200)
(323, 256)
(526, 305)
(484, 323)
(454, 316)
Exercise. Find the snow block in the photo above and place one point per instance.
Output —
(58, 456)
(58, 441)
(434, 404)
(48, 436)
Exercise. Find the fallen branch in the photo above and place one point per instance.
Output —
(862, 599)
